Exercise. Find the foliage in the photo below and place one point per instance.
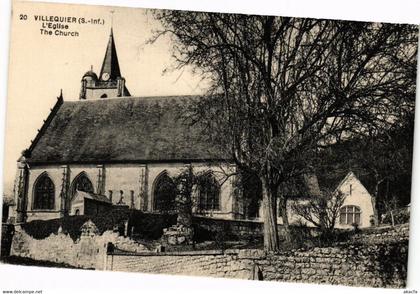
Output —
(149, 226)
(41, 229)
(322, 211)
(401, 216)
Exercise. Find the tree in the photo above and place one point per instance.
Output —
(280, 88)
(321, 211)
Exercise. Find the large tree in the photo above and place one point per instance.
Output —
(280, 88)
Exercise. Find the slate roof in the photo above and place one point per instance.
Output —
(92, 196)
(129, 129)
(304, 186)
(110, 64)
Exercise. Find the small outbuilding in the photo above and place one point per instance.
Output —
(85, 203)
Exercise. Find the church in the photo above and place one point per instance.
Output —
(111, 148)
(118, 148)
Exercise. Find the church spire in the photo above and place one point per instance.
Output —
(110, 83)
(110, 67)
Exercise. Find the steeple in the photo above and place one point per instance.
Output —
(110, 83)
(110, 66)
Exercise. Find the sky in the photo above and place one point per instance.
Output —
(41, 65)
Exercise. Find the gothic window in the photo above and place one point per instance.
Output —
(44, 193)
(208, 193)
(349, 215)
(81, 183)
(164, 193)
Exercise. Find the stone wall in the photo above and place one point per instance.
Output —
(86, 252)
(213, 263)
(380, 235)
(382, 263)
(370, 266)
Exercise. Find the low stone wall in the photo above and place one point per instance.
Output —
(86, 252)
(370, 266)
(380, 235)
(212, 263)
(382, 263)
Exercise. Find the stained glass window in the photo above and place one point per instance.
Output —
(164, 193)
(209, 193)
(44, 193)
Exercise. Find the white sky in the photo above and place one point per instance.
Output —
(42, 65)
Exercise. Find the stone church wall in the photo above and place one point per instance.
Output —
(55, 174)
(134, 180)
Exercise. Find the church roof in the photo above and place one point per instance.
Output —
(110, 64)
(130, 129)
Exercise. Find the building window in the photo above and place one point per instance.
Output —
(164, 193)
(81, 183)
(44, 193)
(349, 215)
(104, 96)
(208, 193)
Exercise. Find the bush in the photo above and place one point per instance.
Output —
(149, 225)
(41, 229)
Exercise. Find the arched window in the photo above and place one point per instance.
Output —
(252, 195)
(164, 193)
(349, 215)
(208, 193)
(44, 193)
(104, 96)
(81, 183)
